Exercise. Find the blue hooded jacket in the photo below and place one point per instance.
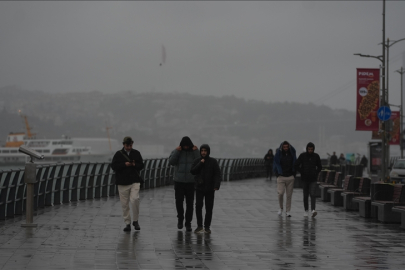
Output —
(277, 159)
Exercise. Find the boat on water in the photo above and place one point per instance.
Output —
(61, 150)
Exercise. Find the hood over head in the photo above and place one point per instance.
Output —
(281, 145)
(268, 152)
(310, 145)
(186, 141)
(207, 147)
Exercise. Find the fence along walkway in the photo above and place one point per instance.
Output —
(62, 183)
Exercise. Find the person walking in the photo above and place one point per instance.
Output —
(127, 163)
(364, 163)
(333, 159)
(268, 163)
(342, 159)
(309, 165)
(207, 180)
(283, 166)
(182, 158)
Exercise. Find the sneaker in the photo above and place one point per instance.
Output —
(199, 230)
(127, 228)
(180, 224)
(188, 228)
(280, 212)
(136, 225)
(314, 213)
(207, 230)
(306, 213)
(287, 214)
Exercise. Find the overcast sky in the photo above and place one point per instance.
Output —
(272, 51)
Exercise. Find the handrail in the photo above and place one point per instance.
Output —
(62, 183)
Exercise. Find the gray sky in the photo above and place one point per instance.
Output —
(271, 51)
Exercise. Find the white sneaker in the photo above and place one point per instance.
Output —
(280, 212)
(287, 214)
(314, 213)
(306, 213)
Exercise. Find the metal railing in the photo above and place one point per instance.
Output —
(63, 183)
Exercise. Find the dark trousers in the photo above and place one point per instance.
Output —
(184, 190)
(309, 189)
(269, 171)
(209, 205)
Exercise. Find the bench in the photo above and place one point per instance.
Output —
(324, 187)
(366, 210)
(363, 190)
(397, 198)
(322, 177)
(350, 184)
(401, 210)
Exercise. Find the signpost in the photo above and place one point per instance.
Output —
(384, 113)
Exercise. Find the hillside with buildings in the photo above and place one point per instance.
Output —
(233, 127)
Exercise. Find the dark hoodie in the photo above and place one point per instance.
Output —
(309, 165)
(207, 174)
(186, 141)
(283, 163)
(268, 158)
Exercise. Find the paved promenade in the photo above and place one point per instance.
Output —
(246, 234)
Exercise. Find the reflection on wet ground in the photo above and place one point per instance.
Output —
(247, 233)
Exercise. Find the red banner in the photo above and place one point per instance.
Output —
(394, 135)
(368, 98)
(396, 127)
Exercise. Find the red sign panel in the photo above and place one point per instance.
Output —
(368, 98)
(396, 127)
(394, 134)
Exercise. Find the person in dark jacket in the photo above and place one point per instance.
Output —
(342, 160)
(333, 159)
(364, 162)
(309, 165)
(268, 163)
(182, 158)
(207, 180)
(283, 166)
(127, 163)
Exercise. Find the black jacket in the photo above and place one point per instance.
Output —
(127, 175)
(207, 174)
(309, 165)
(268, 160)
(333, 160)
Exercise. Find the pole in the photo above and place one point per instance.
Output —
(383, 102)
(402, 116)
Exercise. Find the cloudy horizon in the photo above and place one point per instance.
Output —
(272, 51)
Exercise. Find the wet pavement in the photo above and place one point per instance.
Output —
(247, 233)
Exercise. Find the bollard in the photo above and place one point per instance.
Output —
(29, 180)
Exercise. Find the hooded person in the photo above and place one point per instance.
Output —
(207, 176)
(283, 167)
(309, 165)
(182, 158)
(268, 163)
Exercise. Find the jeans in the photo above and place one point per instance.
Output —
(181, 191)
(209, 205)
(309, 189)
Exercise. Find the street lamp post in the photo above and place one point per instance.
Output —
(401, 71)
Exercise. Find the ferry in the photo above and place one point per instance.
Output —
(61, 150)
